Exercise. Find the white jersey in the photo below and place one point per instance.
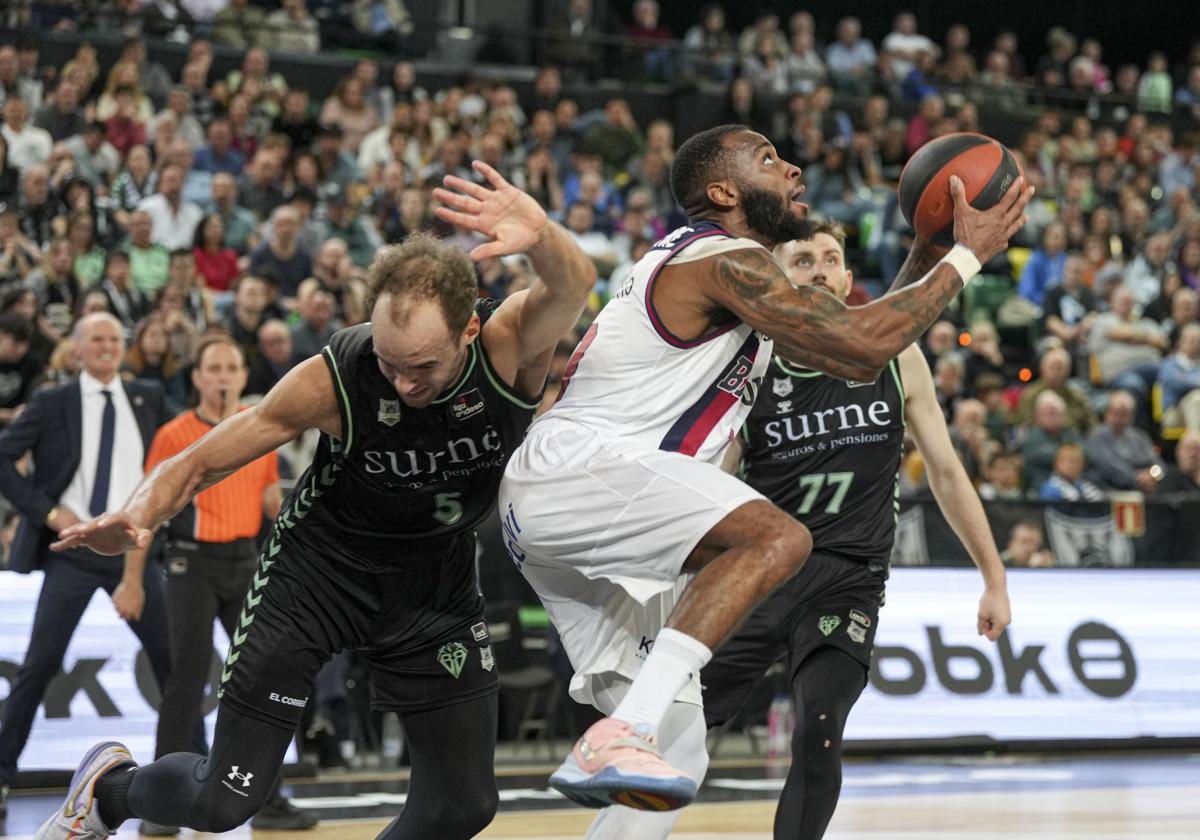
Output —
(632, 381)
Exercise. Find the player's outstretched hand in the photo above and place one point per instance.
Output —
(994, 612)
(986, 232)
(109, 533)
(513, 220)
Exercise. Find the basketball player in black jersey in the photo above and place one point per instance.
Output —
(828, 451)
(374, 549)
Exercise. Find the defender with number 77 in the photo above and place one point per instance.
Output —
(374, 549)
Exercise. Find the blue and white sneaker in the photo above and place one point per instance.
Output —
(79, 817)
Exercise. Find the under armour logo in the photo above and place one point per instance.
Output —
(244, 778)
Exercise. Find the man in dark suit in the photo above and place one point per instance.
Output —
(88, 439)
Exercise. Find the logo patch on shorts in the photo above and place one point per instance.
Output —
(452, 656)
(486, 659)
(389, 412)
(479, 631)
(860, 617)
(828, 624)
(467, 405)
(856, 632)
(177, 566)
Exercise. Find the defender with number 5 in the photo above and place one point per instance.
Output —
(374, 549)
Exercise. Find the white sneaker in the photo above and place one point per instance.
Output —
(79, 817)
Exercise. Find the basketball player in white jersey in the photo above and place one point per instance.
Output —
(850, 511)
(616, 491)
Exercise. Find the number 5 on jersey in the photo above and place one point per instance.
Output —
(812, 485)
(447, 508)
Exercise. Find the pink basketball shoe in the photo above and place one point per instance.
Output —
(616, 763)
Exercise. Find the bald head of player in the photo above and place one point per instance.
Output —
(818, 260)
(733, 176)
(421, 296)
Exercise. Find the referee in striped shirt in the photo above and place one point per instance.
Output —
(211, 558)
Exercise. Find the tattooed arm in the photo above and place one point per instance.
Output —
(922, 257)
(814, 328)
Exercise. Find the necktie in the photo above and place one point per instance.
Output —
(108, 431)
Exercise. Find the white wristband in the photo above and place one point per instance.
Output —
(964, 261)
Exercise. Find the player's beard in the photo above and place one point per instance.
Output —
(768, 215)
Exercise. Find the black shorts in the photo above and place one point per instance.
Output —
(832, 602)
(420, 628)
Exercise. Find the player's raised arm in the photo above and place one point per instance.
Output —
(533, 321)
(303, 399)
(816, 329)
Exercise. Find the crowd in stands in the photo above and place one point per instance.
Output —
(201, 201)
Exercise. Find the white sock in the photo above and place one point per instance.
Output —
(673, 660)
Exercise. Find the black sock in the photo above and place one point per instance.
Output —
(112, 795)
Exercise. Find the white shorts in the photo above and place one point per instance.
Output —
(601, 532)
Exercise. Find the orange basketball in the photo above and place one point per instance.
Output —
(987, 169)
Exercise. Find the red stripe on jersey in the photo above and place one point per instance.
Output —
(694, 425)
(706, 422)
(576, 358)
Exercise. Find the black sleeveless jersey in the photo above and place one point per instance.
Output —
(828, 453)
(404, 485)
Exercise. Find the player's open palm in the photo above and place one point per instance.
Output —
(110, 533)
(512, 219)
(986, 232)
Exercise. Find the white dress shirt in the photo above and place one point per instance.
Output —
(170, 229)
(203, 11)
(129, 453)
(29, 146)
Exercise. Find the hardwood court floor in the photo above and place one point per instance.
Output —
(1124, 797)
(1112, 814)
